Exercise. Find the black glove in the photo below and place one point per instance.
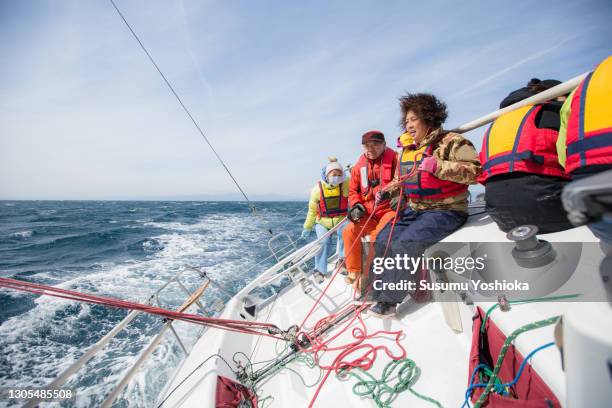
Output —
(382, 196)
(356, 212)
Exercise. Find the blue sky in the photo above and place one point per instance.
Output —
(277, 86)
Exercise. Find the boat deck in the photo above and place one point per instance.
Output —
(440, 352)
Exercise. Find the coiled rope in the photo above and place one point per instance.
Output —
(404, 372)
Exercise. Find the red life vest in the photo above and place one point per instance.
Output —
(372, 183)
(424, 184)
(514, 143)
(589, 126)
(332, 202)
(369, 182)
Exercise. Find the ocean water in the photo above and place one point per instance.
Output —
(125, 250)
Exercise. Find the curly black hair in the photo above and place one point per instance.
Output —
(427, 107)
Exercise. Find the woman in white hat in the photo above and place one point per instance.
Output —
(327, 208)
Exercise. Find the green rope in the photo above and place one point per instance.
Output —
(303, 359)
(489, 373)
(504, 349)
(521, 302)
(404, 371)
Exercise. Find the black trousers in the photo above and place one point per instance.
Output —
(521, 198)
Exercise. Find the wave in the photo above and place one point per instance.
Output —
(22, 234)
(46, 212)
(57, 327)
(48, 334)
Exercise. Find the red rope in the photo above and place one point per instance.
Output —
(401, 179)
(366, 359)
(338, 268)
(399, 204)
(239, 326)
(344, 360)
(401, 197)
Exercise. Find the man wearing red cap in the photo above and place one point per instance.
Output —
(374, 169)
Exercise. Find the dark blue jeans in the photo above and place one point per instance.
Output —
(414, 232)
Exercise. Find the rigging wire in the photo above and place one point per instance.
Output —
(180, 101)
(193, 372)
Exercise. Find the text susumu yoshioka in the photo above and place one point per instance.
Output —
(473, 285)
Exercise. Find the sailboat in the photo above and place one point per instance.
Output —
(444, 339)
(462, 344)
(475, 337)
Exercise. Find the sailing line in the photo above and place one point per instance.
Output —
(180, 101)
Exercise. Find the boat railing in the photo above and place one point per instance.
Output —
(294, 261)
(547, 95)
(276, 251)
(192, 298)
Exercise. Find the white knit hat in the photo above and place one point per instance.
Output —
(332, 165)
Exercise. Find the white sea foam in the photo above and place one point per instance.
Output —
(22, 234)
(219, 243)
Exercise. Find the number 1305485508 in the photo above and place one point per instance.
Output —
(43, 394)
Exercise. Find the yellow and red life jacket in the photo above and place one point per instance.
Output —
(424, 184)
(332, 202)
(514, 143)
(589, 126)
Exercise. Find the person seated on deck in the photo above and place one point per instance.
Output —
(584, 145)
(520, 169)
(436, 193)
(373, 171)
(327, 207)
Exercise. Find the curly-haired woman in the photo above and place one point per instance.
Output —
(436, 194)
